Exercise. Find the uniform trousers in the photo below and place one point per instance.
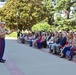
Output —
(2, 47)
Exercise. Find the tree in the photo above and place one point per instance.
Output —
(68, 22)
(65, 5)
(23, 14)
(49, 9)
(43, 26)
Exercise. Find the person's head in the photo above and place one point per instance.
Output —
(60, 35)
(70, 36)
(64, 34)
(18, 30)
(2, 24)
(75, 34)
(43, 33)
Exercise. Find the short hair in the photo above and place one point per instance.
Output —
(2, 23)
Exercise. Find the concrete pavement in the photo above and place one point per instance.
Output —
(24, 60)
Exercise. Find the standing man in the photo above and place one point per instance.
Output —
(3, 32)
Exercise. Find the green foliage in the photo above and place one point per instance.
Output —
(65, 5)
(22, 14)
(48, 7)
(43, 26)
(65, 23)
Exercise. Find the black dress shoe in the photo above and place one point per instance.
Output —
(62, 56)
(2, 61)
(54, 53)
(70, 59)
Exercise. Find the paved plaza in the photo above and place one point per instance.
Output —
(24, 60)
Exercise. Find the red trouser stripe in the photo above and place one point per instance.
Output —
(0, 46)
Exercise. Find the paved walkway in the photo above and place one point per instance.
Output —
(24, 60)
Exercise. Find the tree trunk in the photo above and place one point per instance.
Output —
(67, 13)
(20, 27)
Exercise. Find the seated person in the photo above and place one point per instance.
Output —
(37, 41)
(73, 48)
(67, 47)
(22, 38)
(50, 40)
(33, 39)
(63, 40)
(43, 41)
(54, 42)
(56, 45)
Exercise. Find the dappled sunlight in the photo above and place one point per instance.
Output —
(10, 38)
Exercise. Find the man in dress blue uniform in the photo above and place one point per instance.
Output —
(3, 32)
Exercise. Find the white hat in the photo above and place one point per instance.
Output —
(74, 32)
(2, 23)
(43, 33)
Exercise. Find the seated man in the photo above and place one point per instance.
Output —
(57, 44)
(33, 39)
(22, 39)
(68, 46)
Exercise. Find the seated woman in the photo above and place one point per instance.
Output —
(54, 42)
(73, 48)
(36, 43)
(67, 47)
(48, 37)
(43, 40)
(51, 42)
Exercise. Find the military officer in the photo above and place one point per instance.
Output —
(3, 32)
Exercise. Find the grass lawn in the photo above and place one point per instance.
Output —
(14, 34)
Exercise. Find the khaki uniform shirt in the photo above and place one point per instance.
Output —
(2, 30)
